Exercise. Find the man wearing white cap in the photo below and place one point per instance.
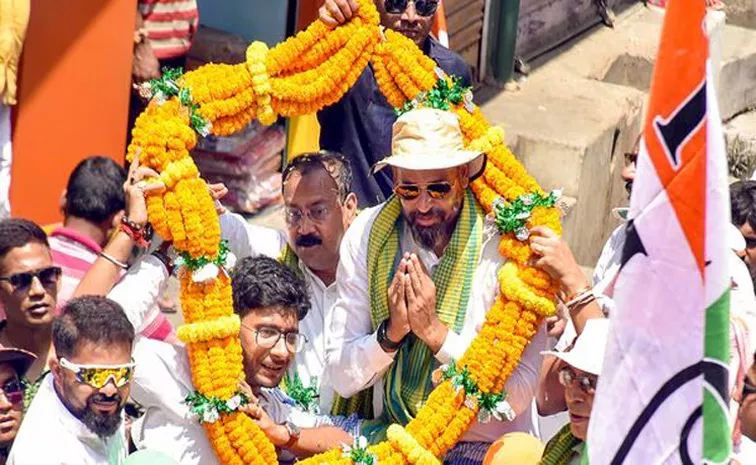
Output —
(393, 322)
(579, 372)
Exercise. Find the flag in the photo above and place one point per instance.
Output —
(439, 28)
(662, 395)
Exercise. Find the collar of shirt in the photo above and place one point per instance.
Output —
(78, 429)
(73, 235)
(427, 256)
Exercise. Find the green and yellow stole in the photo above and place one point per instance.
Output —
(407, 382)
(561, 448)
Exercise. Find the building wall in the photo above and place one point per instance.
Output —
(252, 19)
(75, 74)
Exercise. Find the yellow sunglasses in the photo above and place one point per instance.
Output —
(98, 376)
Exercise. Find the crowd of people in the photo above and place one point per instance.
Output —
(349, 306)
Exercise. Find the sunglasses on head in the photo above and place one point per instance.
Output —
(98, 376)
(436, 190)
(14, 391)
(423, 7)
(47, 275)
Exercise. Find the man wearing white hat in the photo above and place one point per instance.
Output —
(393, 322)
(579, 372)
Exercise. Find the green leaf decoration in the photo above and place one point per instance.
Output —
(440, 97)
(305, 397)
(209, 409)
(167, 86)
(197, 263)
(512, 217)
(491, 405)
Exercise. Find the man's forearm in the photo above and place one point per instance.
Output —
(318, 440)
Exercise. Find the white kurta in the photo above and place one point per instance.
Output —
(248, 240)
(356, 361)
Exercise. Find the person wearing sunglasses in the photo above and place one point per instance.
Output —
(80, 404)
(579, 371)
(359, 125)
(13, 366)
(394, 320)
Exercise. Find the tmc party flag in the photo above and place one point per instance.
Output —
(662, 395)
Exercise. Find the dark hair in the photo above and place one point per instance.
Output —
(95, 190)
(335, 164)
(91, 319)
(16, 232)
(263, 283)
(743, 203)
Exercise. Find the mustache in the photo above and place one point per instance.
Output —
(432, 213)
(308, 240)
(103, 398)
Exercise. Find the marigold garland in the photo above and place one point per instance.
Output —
(302, 75)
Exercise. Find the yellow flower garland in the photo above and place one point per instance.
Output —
(305, 73)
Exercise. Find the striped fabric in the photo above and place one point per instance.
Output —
(467, 453)
(170, 25)
(407, 382)
(76, 253)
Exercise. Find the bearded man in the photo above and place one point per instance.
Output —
(396, 318)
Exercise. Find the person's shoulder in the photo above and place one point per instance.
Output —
(449, 60)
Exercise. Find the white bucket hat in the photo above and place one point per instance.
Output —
(428, 139)
(588, 353)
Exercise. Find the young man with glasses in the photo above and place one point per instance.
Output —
(80, 406)
(13, 365)
(270, 299)
(579, 371)
(394, 321)
(359, 125)
(319, 206)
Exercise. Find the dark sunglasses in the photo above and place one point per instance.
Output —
(436, 190)
(47, 275)
(748, 389)
(14, 391)
(423, 7)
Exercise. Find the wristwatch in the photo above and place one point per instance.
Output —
(384, 340)
(294, 433)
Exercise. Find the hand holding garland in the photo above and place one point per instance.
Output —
(336, 12)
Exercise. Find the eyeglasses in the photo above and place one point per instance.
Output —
(269, 337)
(318, 214)
(98, 376)
(423, 7)
(46, 276)
(567, 378)
(436, 190)
(748, 389)
(14, 391)
(631, 158)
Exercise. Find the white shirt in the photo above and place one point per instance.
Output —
(161, 383)
(356, 361)
(69, 440)
(51, 435)
(247, 240)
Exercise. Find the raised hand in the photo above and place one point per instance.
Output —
(336, 12)
(421, 304)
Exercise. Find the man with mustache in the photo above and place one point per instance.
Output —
(359, 125)
(80, 406)
(319, 207)
(393, 323)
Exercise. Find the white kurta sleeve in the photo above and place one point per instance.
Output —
(140, 288)
(354, 359)
(246, 240)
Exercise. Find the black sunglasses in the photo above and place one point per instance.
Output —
(423, 7)
(47, 275)
(436, 190)
(748, 389)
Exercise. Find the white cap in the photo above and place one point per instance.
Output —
(588, 353)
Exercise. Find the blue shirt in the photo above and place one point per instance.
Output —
(359, 125)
